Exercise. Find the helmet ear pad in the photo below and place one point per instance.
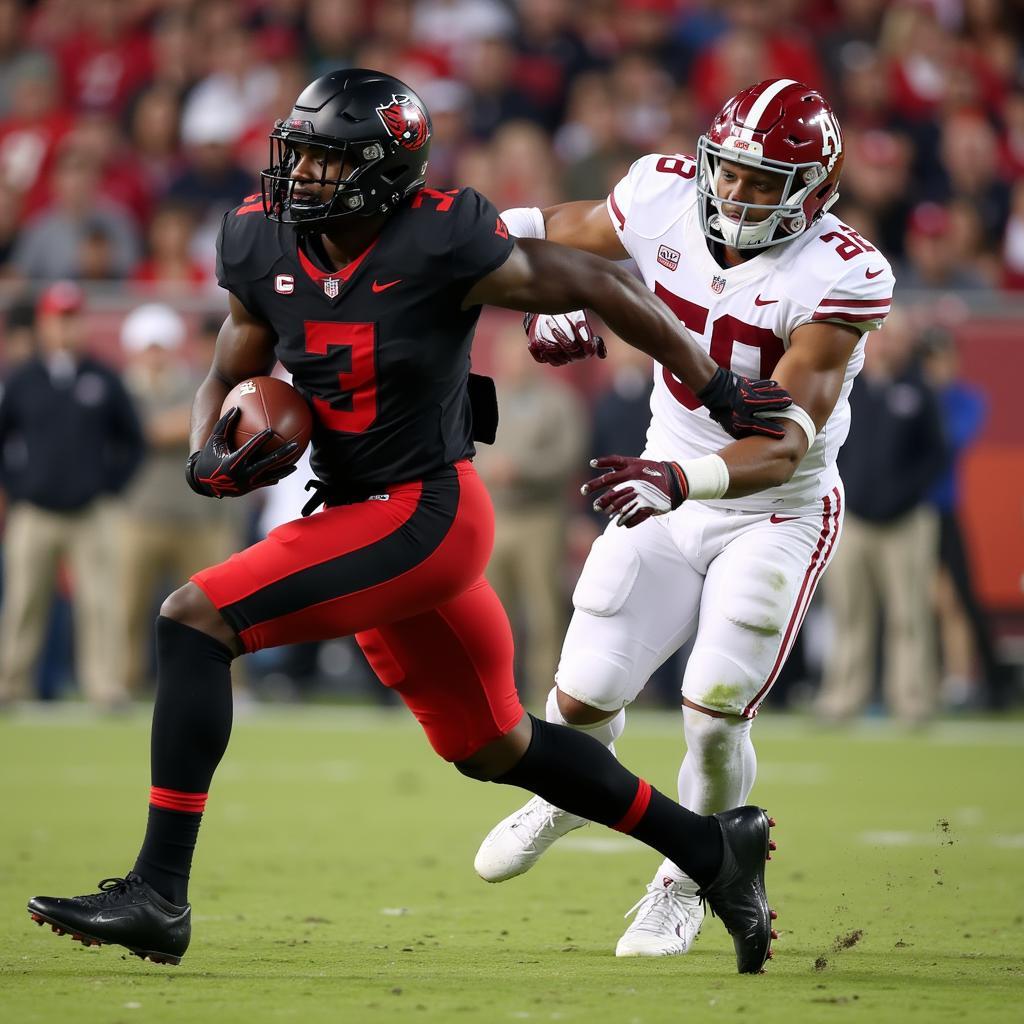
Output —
(372, 121)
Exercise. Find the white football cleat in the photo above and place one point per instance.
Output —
(666, 923)
(515, 844)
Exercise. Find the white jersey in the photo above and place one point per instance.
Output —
(744, 316)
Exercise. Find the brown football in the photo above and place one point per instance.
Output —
(270, 402)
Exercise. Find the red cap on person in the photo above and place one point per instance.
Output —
(61, 297)
(931, 220)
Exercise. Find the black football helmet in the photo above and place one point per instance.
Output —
(376, 123)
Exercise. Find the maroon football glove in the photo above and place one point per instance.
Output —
(217, 472)
(560, 338)
(640, 488)
(738, 404)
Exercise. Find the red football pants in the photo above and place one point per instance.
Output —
(404, 573)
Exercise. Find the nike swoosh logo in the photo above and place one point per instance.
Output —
(781, 519)
(378, 287)
(870, 274)
(764, 302)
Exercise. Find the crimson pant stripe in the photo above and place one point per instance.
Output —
(819, 559)
(398, 552)
(637, 809)
(176, 800)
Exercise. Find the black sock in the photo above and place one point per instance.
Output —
(575, 772)
(191, 727)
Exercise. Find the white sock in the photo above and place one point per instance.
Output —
(606, 732)
(717, 772)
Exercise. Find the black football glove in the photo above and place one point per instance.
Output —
(640, 488)
(560, 338)
(216, 471)
(738, 404)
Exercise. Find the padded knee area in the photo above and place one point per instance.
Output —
(599, 679)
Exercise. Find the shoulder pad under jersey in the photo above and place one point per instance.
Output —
(248, 244)
(654, 194)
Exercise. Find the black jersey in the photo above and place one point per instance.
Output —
(381, 347)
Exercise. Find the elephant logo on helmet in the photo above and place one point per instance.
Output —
(405, 120)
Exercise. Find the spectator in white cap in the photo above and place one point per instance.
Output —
(213, 179)
(168, 532)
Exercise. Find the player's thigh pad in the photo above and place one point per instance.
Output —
(351, 567)
(452, 666)
(635, 603)
(756, 594)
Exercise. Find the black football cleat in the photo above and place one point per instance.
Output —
(737, 894)
(126, 912)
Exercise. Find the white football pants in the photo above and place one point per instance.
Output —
(742, 581)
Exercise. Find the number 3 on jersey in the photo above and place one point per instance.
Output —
(351, 349)
(726, 333)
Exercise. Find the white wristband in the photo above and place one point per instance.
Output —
(799, 417)
(706, 478)
(525, 222)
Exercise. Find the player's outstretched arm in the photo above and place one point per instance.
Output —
(584, 225)
(813, 369)
(543, 277)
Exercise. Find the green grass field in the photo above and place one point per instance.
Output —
(334, 881)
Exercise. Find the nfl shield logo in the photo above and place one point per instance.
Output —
(718, 285)
(332, 286)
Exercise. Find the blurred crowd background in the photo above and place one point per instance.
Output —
(128, 127)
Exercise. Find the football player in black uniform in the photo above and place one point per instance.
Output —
(367, 286)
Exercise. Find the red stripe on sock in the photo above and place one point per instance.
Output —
(637, 809)
(175, 800)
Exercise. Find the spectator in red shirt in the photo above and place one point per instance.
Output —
(760, 43)
(31, 132)
(107, 59)
(169, 262)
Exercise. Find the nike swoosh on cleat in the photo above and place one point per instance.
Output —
(781, 519)
(764, 302)
(378, 287)
(870, 274)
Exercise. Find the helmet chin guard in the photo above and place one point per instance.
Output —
(781, 127)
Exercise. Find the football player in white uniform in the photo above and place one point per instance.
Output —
(718, 539)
